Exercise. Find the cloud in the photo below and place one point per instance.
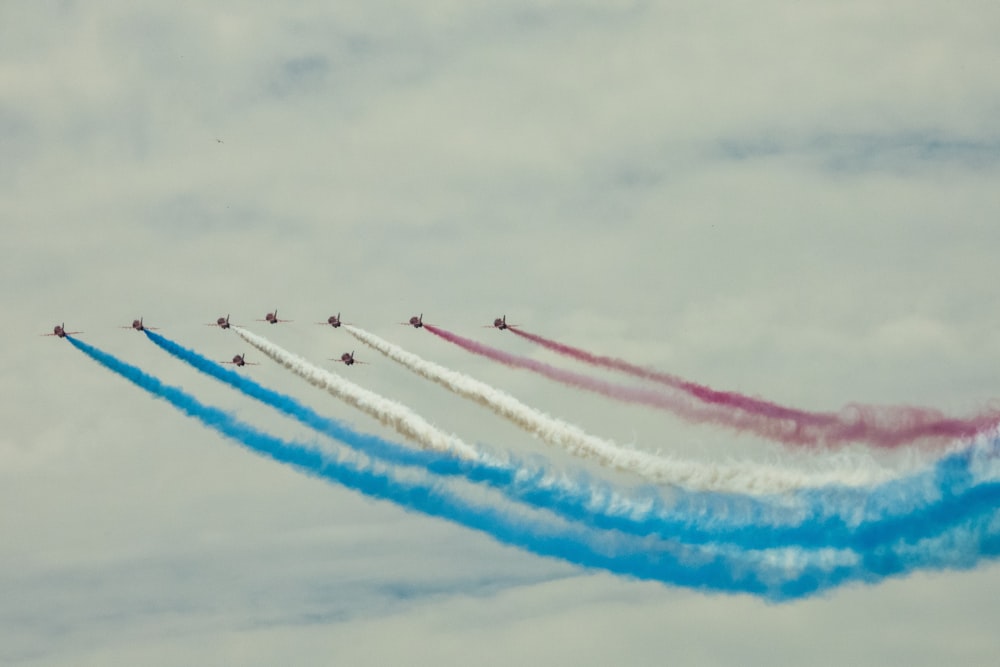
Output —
(572, 164)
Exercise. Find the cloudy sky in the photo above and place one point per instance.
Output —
(795, 200)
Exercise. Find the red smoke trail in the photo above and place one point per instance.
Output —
(881, 426)
(699, 391)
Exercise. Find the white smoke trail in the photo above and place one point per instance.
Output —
(394, 415)
(742, 477)
(410, 424)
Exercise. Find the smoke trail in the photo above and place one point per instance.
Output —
(883, 425)
(738, 478)
(878, 426)
(701, 392)
(605, 508)
(389, 413)
(777, 575)
(365, 443)
(815, 518)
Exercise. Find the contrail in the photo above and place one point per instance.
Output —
(581, 547)
(880, 426)
(783, 574)
(737, 478)
(365, 443)
(701, 392)
(537, 486)
(394, 415)
(814, 518)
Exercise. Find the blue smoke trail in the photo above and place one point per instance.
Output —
(695, 518)
(574, 546)
(728, 571)
(369, 444)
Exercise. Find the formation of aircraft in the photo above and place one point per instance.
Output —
(417, 321)
(272, 318)
(239, 361)
(59, 330)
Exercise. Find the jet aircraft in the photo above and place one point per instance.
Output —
(415, 322)
(238, 361)
(501, 323)
(222, 323)
(272, 318)
(139, 326)
(59, 330)
(333, 321)
(347, 358)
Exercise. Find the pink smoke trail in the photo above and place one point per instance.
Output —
(880, 426)
(701, 392)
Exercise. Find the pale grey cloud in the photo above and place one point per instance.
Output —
(793, 200)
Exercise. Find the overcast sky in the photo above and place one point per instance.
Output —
(796, 200)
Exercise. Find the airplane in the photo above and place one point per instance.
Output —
(222, 323)
(60, 331)
(415, 322)
(272, 318)
(139, 326)
(500, 323)
(333, 321)
(347, 358)
(238, 361)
